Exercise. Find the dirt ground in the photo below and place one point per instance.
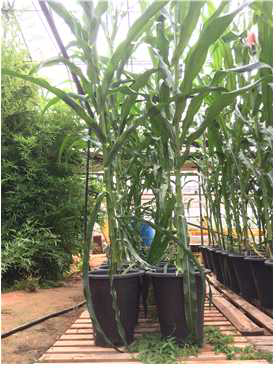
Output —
(20, 307)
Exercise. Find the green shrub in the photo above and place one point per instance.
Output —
(30, 284)
(33, 251)
(42, 184)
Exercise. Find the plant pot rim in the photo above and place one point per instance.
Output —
(219, 250)
(103, 274)
(269, 262)
(170, 274)
(254, 258)
(233, 255)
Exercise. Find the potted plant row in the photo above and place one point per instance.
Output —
(167, 109)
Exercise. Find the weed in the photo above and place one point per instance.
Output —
(30, 284)
(222, 344)
(48, 284)
(153, 349)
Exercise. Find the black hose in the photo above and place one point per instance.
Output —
(36, 321)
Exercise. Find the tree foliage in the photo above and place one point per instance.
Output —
(42, 185)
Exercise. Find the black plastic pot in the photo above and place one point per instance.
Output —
(269, 266)
(244, 277)
(211, 259)
(168, 290)
(128, 292)
(217, 264)
(263, 277)
(233, 282)
(221, 276)
(146, 283)
(205, 257)
(103, 267)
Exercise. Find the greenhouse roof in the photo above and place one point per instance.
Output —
(36, 34)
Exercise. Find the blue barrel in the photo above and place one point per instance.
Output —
(147, 234)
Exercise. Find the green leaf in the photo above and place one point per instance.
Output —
(74, 69)
(193, 108)
(162, 43)
(101, 8)
(218, 105)
(140, 82)
(72, 22)
(212, 30)
(135, 31)
(63, 96)
(164, 98)
(168, 76)
(142, 79)
(160, 241)
(245, 68)
(120, 142)
(160, 125)
(52, 102)
(230, 36)
(187, 26)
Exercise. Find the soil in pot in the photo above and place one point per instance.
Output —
(263, 278)
(244, 277)
(168, 289)
(127, 288)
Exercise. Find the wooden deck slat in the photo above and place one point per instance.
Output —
(260, 340)
(265, 348)
(108, 357)
(249, 309)
(79, 331)
(236, 317)
(76, 337)
(77, 344)
(81, 324)
(81, 349)
(237, 362)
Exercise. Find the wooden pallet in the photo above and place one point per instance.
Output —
(77, 344)
(248, 309)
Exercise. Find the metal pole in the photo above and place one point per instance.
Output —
(200, 208)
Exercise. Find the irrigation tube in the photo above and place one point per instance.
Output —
(36, 321)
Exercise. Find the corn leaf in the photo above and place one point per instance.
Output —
(72, 22)
(63, 96)
(225, 99)
(212, 30)
(135, 31)
(188, 25)
(160, 241)
(120, 142)
(52, 102)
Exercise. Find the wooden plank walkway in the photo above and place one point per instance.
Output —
(237, 317)
(250, 310)
(77, 344)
